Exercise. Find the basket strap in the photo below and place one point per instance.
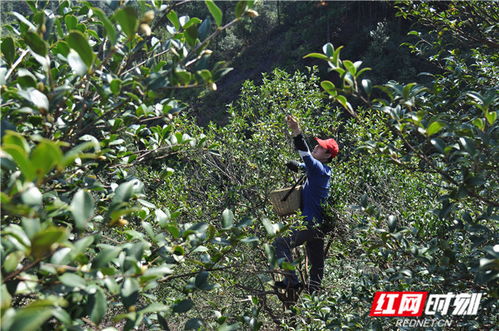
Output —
(301, 180)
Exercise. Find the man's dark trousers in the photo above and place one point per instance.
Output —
(314, 240)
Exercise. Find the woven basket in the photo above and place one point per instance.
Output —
(291, 205)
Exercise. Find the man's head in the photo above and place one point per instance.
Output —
(325, 150)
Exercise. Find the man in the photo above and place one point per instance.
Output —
(313, 195)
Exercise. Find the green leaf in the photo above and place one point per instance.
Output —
(71, 22)
(5, 298)
(350, 67)
(32, 196)
(76, 63)
(161, 217)
(367, 86)
(97, 304)
(329, 87)
(115, 86)
(227, 219)
(479, 123)
(14, 138)
(194, 324)
(328, 49)
(82, 208)
(127, 19)
(130, 291)
(343, 101)
(77, 41)
(21, 159)
(173, 230)
(105, 256)
(241, 7)
(73, 280)
(155, 308)
(271, 228)
(36, 43)
(317, 56)
(438, 144)
(45, 156)
(12, 261)
(201, 279)
(434, 128)
(108, 25)
(39, 99)
(214, 11)
(126, 190)
(392, 223)
(28, 319)
(8, 50)
(42, 242)
(173, 18)
(491, 117)
(24, 20)
(183, 306)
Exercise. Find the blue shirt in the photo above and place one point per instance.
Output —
(316, 188)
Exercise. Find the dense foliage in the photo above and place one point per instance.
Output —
(119, 211)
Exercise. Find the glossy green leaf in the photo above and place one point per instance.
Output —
(367, 86)
(76, 63)
(71, 22)
(350, 67)
(115, 86)
(105, 256)
(42, 243)
(201, 279)
(194, 324)
(82, 208)
(127, 19)
(183, 306)
(97, 306)
(491, 117)
(155, 308)
(29, 319)
(214, 11)
(8, 50)
(108, 25)
(434, 128)
(161, 217)
(5, 298)
(126, 190)
(39, 99)
(22, 161)
(269, 226)
(36, 43)
(328, 49)
(12, 261)
(130, 291)
(227, 219)
(32, 196)
(317, 56)
(173, 18)
(77, 41)
(73, 280)
(45, 156)
(24, 20)
(329, 87)
(241, 7)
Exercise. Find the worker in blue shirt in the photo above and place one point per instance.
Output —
(314, 194)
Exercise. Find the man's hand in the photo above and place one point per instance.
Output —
(293, 166)
(293, 125)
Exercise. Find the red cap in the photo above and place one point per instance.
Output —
(330, 144)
